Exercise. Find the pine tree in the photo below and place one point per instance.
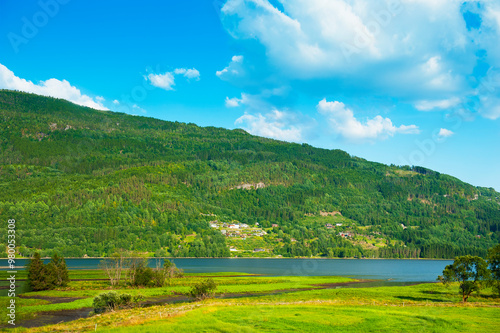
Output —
(57, 271)
(37, 274)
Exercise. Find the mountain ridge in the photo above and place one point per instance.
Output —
(101, 181)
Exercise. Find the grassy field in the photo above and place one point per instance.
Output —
(286, 304)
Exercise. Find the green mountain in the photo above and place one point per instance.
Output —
(87, 182)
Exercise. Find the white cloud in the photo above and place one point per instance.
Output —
(136, 107)
(235, 68)
(167, 81)
(342, 121)
(488, 92)
(188, 73)
(314, 36)
(235, 101)
(116, 102)
(51, 87)
(445, 133)
(281, 125)
(413, 50)
(490, 107)
(437, 104)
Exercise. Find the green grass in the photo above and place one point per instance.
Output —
(420, 308)
(73, 274)
(314, 318)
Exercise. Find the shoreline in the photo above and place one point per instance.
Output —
(173, 258)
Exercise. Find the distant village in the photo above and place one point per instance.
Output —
(243, 230)
(240, 230)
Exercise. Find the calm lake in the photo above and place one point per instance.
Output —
(380, 269)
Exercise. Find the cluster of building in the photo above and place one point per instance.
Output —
(241, 230)
(330, 226)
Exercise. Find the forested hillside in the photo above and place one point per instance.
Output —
(87, 182)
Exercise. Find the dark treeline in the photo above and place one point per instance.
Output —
(81, 181)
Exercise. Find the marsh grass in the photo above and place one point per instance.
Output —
(424, 307)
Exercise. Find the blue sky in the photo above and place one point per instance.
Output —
(395, 81)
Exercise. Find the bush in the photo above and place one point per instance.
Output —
(140, 274)
(204, 289)
(112, 301)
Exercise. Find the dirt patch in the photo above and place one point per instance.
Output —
(55, 317)
(341, 284)
(51, 299)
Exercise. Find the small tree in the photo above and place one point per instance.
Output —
(469, 271)
(37, 274)
(113, 267)
(57, 271)
(204, 289)
(162, 276)
(494, 265)
(139, 272)
(171, 271)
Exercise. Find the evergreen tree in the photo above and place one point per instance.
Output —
(46, 277)
(58, 272)
(37, 274)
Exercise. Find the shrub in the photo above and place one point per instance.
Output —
(204, 289)
(139, 272)
(112, 301)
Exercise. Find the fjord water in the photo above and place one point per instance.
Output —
(397, 270)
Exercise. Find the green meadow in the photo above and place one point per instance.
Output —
(248, 303)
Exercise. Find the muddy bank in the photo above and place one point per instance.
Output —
(51, 299)
(54, 317)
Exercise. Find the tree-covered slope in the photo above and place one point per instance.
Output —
(82, 181)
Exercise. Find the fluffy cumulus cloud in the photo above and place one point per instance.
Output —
(343, 122)
(422, 52)
(236, 102)
(276, 124)
(445, 133)
(188, 73)
(51, 87)
(166, 81)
